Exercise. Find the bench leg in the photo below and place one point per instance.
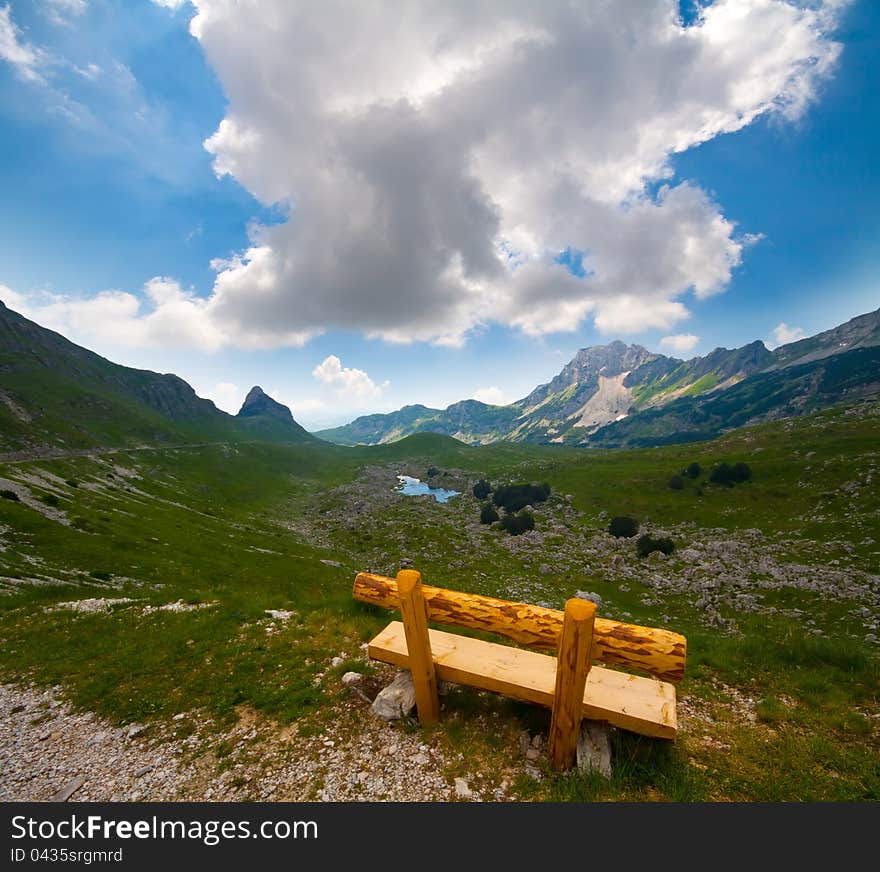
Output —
(415, 624)
(572, 666)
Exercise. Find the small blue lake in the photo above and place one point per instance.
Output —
(414, 487)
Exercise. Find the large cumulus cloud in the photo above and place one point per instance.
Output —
(436, 159)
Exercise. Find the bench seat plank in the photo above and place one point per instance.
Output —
(641, 705)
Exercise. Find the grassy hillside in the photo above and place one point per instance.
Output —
(57, 396)
(194, 545)
(765, 396)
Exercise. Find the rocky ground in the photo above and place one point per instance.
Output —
(48, 752)
(720, 573)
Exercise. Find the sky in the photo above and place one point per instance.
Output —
(360, 206)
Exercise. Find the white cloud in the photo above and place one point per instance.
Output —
(58, 10)
(433, 183)
(226, 396)
(492, 395)
(168, 316)
(353, 386)
(24, 58)
(90, 71)
(680, 342)
(783, 334)
(170, 4)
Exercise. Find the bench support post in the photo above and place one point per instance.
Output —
(415, 623)
(572, 666)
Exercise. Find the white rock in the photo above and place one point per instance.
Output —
(68, 790)
(462, 790)
(397, 700)
(594, 748)
(351, 678)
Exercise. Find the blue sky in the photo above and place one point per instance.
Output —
(220, 201)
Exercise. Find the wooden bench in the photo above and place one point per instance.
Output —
(568, 683)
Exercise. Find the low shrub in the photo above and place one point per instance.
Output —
(488, 515)
(482, 489)
(676, 482)
(623, 527)
(693, 470)
(432, 472)
(514, 497)
(72, 482)
(518, 524)
(646, 543)
(730, 474)
(9, 495)
(50, 499)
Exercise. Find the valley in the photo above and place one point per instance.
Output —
(192, 607)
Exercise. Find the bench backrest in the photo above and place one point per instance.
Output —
(658, 652)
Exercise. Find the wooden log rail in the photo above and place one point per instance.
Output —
(658, 652)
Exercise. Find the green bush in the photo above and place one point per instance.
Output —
(514, 497)
(9, 495)
(488, 515)
(432, 472)
(646, 543)
(50, 499)
(518, 524)
(693, 470)
(482, 489)
(730, 474)
(72, 482)
(676, 482)
(623, 527)
(741, 471)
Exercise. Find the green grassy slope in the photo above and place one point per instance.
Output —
(57, 395)
(769, 395)
(773, 707)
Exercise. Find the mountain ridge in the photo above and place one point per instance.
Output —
(56, 394)
(602, 386)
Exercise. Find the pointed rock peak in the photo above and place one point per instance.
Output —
(258, 402)
(254, 394)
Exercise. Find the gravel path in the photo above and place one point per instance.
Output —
(49, 752)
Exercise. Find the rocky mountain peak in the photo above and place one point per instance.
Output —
(612, 359)
(258, 402)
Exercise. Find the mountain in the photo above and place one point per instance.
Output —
(261, 415)
(766, 396)
(56, 395)
(860, 332)
(615, 394)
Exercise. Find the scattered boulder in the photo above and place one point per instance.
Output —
(351, 678)
(68, 790)
(594, 748)
(397, 700)
(590, 597)
(462, 790)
